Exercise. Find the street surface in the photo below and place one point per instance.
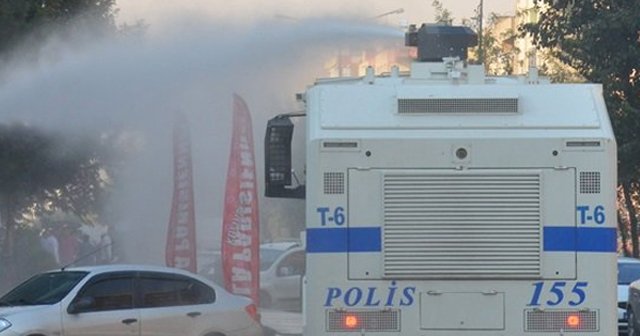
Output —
(281, 322)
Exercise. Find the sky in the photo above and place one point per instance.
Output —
(155, 12)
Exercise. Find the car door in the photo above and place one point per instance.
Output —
(289, 273)
(173, 304)
(104, 306)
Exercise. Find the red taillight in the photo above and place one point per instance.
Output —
(252, 311)
(351, 321)
(573, 321)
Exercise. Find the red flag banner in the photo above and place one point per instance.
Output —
(240, 233)
(181, 236)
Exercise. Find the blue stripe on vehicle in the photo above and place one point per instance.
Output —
(369, 239)
(583, 239)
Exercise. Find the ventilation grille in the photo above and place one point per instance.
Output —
(340, 145)
(458, 105)
(371, 321)
(583, 144)
(462, 225)
(559, 320)
(333, 183)
(589, 182)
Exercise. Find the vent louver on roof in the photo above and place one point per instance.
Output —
(457, 105)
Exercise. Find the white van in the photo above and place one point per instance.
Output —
(282, 266)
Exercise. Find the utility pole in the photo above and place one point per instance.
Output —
(480, 33)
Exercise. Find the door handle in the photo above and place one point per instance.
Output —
(194, 314)
(129, 321)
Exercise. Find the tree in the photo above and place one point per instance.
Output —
(443, 15)
(601, 40)
(555, 70)
(43, 171)
(25, 22)
(499, 50)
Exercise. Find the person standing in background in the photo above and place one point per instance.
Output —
(68, 244)
(49, 243)
(105, 256)
(86, 251)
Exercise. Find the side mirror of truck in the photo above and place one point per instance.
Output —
(277, 157)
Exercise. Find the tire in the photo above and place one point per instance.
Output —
(632, 325)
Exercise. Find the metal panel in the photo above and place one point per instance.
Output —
(462, 310)
(465, 224)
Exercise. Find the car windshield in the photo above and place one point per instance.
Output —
(268, 256)
(43, 289)
(628, 273)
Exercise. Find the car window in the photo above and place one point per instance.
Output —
(628, 273)
(43, 289)
(111, 293)
(293, 264)
(268, 256)
(171, 290)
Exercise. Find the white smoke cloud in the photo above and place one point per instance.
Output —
(191, 64)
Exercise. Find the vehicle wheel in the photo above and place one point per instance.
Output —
(265, 300)
(632, 325)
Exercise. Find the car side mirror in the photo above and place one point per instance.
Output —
(80, 305)
(285, 271)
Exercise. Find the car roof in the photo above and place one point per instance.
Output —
(624, 260)
(127, 267)
(280, 245)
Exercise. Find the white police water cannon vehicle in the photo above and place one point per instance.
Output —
(448, 202)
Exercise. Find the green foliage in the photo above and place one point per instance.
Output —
(557, 71)
(499, 51)
(28, 21)
(443, 15)
(601, 40)
(41, 171)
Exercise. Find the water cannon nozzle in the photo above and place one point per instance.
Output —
(411, 36)
(435, 42)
